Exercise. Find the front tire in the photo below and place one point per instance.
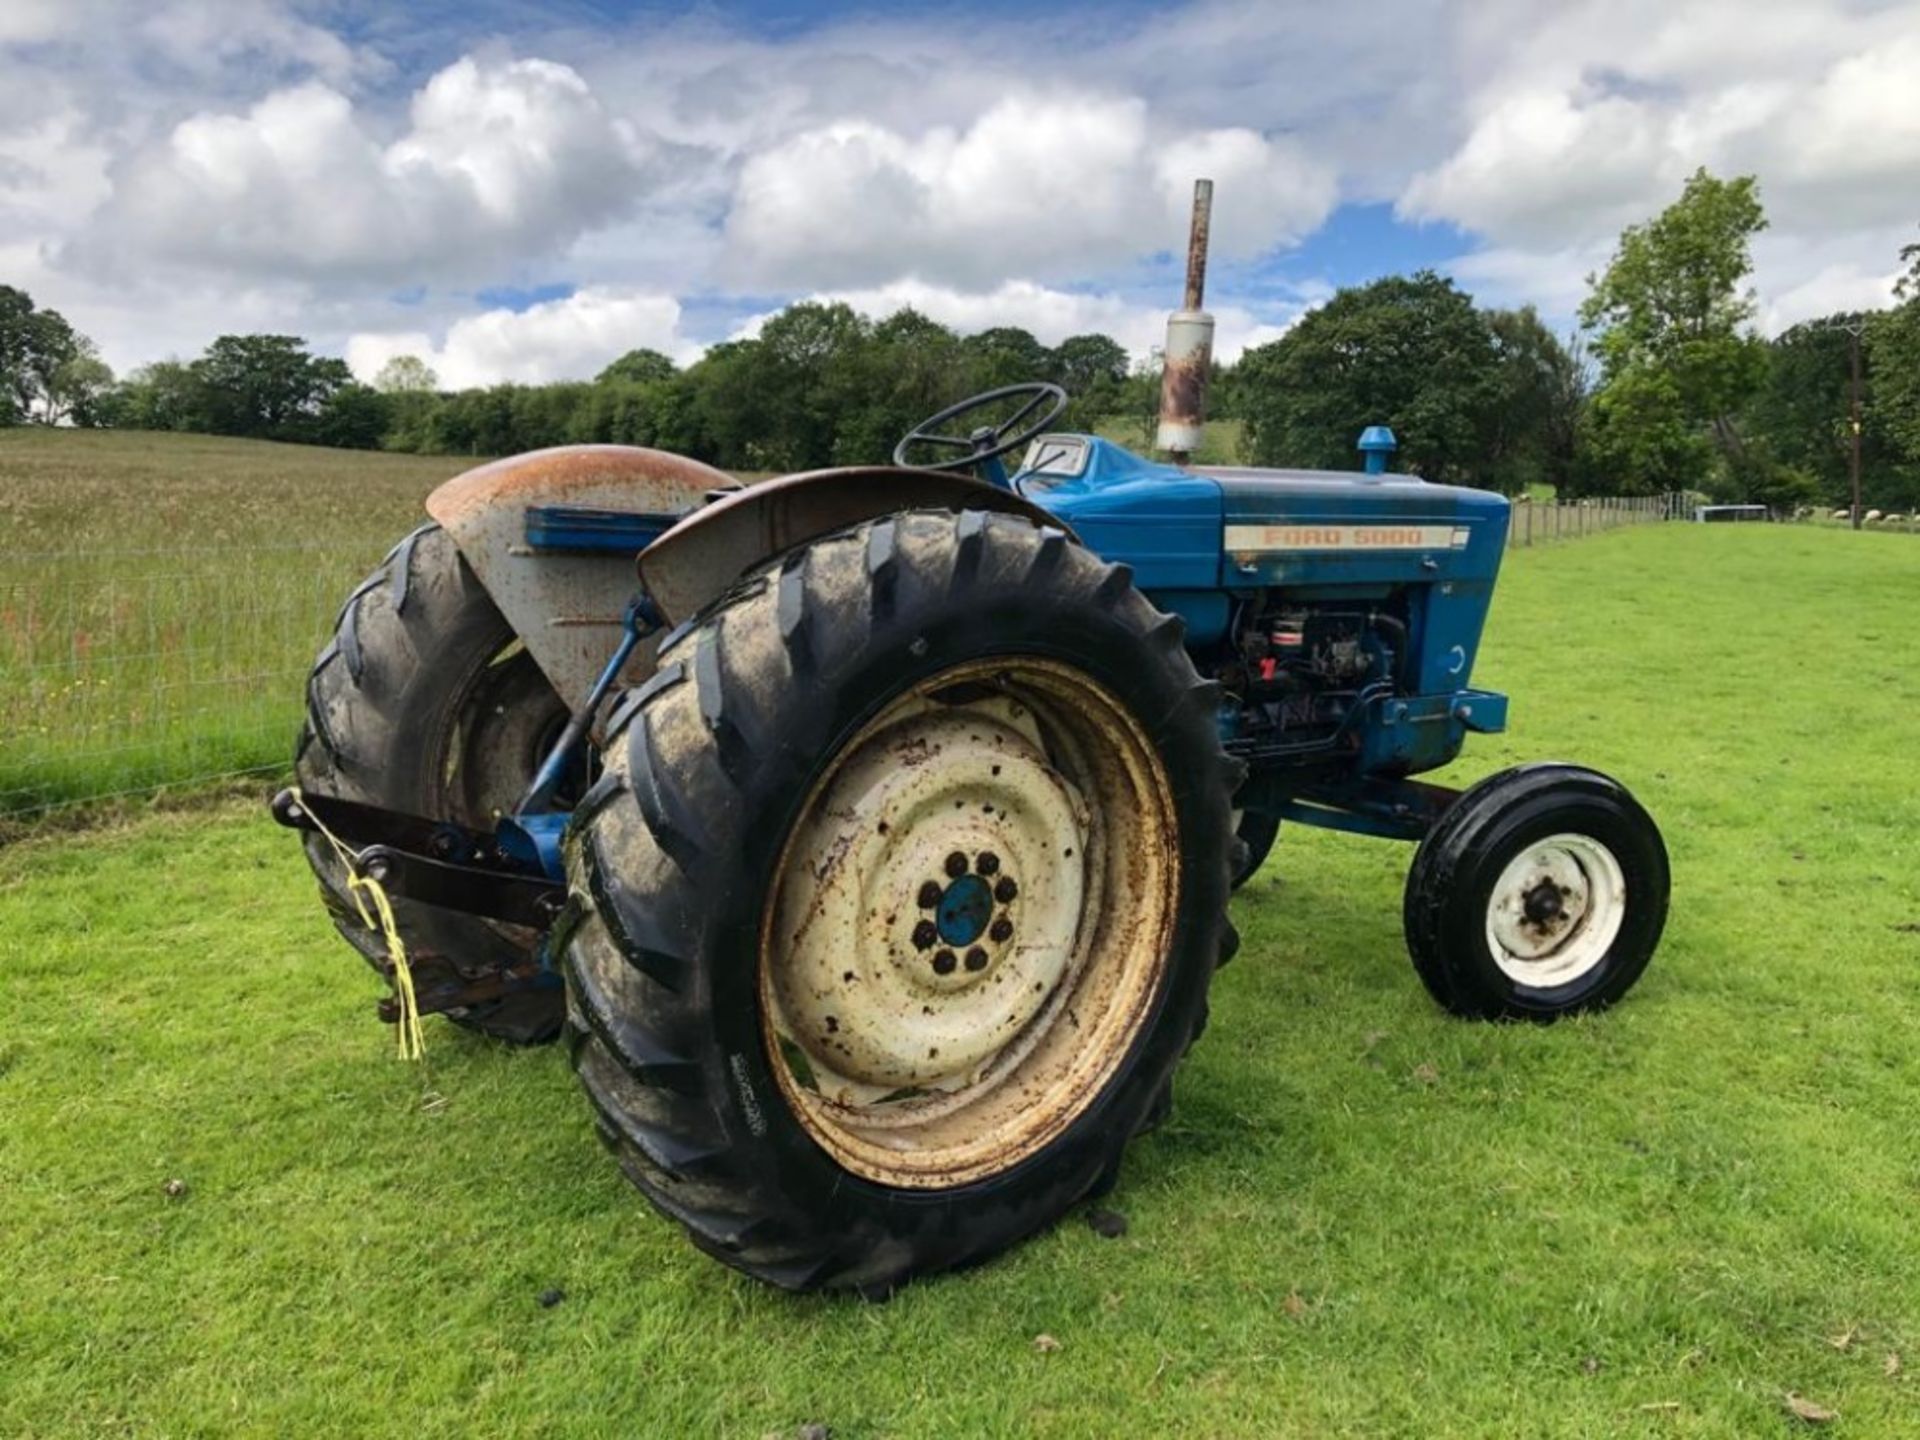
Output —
(1542, 892)
(804, 1039)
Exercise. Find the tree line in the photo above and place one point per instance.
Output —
(1665, 385)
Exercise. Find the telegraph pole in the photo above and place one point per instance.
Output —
(1853, 336)
(1855, 326)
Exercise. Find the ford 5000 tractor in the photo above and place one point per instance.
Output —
(869, 833)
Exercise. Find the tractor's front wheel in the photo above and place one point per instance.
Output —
(1541, 892)
(897, 904)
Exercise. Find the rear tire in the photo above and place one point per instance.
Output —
(1542, 892)
(787, 734)
(422, 702)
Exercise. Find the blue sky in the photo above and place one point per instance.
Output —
(520, 191)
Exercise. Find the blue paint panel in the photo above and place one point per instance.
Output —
(578, 529)
(1163, 521)
(1307, 508)
(1196, 539)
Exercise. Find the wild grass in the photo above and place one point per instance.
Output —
(161, 596)
(1364, 1218)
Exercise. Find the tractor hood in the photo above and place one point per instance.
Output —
(1219, 526)
(1300, 527)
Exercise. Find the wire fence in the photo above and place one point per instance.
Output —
(1538, 522)
(129, 671)
(123, 672)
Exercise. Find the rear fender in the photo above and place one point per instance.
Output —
(694, 563)
(566, 608)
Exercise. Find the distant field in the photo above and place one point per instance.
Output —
(1363, 1219)
(162, 595)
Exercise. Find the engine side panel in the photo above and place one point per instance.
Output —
(1310, 533)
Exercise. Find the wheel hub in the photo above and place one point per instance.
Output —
(969, 922)
(915, 954)
(964, 911)
(1555, 910)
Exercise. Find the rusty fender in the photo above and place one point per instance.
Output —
(693, 564)
(567, 609)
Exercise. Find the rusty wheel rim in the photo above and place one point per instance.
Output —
(969, 923)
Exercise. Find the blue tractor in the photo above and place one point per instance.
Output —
(872, 845)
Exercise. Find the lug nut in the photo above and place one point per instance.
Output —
(924, 934)
(988, 863)
(929, 895)
(943, 963)
(976, 959)
(956, 864)
(1002, 931)
(1005, 890)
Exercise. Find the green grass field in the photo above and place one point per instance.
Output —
(162, 595)
(1364, 1217)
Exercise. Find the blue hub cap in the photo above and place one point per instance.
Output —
(965, 907)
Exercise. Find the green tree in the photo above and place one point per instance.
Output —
(406, 375)
(49, 372)
(907, 368)
(1005, 355)
(1406, 351)
(1671, 318)
(166, 395)
(266, 386)
(1533, 424)
(639, 367)
(1893, 361)
(1801, 415)
(1093, 368)
(77, 389)
(354, 417)
(16, 323)
(779, 402)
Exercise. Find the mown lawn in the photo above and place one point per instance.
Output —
(1364, 1217)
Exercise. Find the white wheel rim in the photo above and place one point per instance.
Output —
(1556, 910)
(969, 923)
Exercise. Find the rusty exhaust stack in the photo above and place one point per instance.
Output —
(1189, 353)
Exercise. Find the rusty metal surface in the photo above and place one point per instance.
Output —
(1183, 383)
(1196, 294)
(1188, 358)
(934, 1059)
(567, 609)
(694, 563)
(441, 984)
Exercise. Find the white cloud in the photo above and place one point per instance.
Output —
(178, 169)
(569, 339)
(1051, 315)
(1595, 117)
(501, 161)
(1056, 185)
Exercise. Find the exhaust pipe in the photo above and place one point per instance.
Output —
(1189, 352)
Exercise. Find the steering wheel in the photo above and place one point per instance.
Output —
(984, 442)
